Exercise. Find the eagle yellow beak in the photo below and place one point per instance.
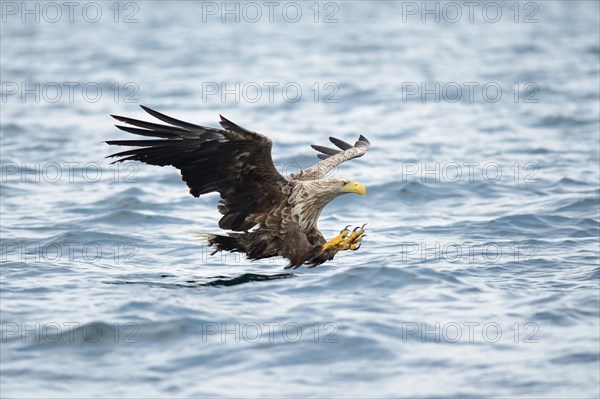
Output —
(354, 187)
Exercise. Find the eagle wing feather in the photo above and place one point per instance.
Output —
(331, 158)
(233, 161)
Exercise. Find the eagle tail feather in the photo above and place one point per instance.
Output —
(226, 243)
(231, 242)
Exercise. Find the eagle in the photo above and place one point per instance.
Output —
(265, 214)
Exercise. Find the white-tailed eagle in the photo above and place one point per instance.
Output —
(265, 213)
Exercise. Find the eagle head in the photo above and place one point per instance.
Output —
(310, 197)
(348, 186)
(331, 188)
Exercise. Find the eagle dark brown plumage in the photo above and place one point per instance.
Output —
(265, 213)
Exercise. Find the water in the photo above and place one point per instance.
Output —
(469, 282)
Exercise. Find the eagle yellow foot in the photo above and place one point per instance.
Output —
(346, 240)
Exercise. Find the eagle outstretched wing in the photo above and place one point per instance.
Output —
(330, 157)
(233, 161)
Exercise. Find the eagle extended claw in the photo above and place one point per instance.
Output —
(346, 239)
(336, 242)
(356, 233)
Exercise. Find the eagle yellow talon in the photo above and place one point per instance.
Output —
(345, 229)
(356, 233)
(354, 247)
(346, 240)
(337, 241)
